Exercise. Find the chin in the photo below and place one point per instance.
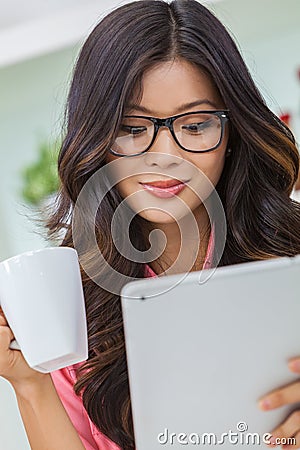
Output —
(155, 216)
(164, 217)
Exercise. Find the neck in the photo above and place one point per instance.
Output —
(182, 244)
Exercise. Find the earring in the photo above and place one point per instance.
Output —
(228, 151)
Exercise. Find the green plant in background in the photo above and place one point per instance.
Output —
(40, 179)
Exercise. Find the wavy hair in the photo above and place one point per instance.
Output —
(255, 185)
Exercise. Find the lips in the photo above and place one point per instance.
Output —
(164, 188)
(164, 183)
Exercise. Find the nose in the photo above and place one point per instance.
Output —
(164, 151)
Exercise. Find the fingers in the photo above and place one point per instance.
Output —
(294, 365)
(289, 427)
(282, 396)
(6, 336)
(285, 395)
(288, 433)
(3, 320)
(295, 443)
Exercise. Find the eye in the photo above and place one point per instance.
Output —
(195, 128)
(133, 130)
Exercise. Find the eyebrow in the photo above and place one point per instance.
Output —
(179, 110)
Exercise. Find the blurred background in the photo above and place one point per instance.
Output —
(39, 43)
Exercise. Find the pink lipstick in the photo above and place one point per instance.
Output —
(164, 188)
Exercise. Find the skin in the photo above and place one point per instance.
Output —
(168, 89)
(285, 395)
(46, 422)
(164, 88)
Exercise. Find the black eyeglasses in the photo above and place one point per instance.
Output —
(196, 132)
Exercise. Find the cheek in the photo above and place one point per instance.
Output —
(208, 170)
(130, 191)
(124, 188)
(216, 169)
(120, 174)
(211, 165)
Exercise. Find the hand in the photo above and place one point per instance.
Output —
(13, 366)
(289, 394)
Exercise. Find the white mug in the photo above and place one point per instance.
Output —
(42, 298)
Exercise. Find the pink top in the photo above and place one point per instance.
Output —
(64, 379)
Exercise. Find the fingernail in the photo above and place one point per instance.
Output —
(265, 403)
(295, 365)
(273, 440)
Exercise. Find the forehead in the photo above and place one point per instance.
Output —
(169, 84)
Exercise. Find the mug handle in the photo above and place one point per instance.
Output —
(14, 345)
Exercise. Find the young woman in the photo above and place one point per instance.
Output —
(161, 89)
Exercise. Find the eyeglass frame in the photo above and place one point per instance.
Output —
(223, 115)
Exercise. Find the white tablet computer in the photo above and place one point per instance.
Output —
(201, 355)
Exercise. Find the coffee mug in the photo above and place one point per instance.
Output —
(42, 298)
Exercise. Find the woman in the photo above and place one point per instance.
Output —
(153, 60)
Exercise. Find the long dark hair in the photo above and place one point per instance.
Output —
(258, 177)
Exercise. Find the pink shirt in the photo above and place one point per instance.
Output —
(64, 380)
